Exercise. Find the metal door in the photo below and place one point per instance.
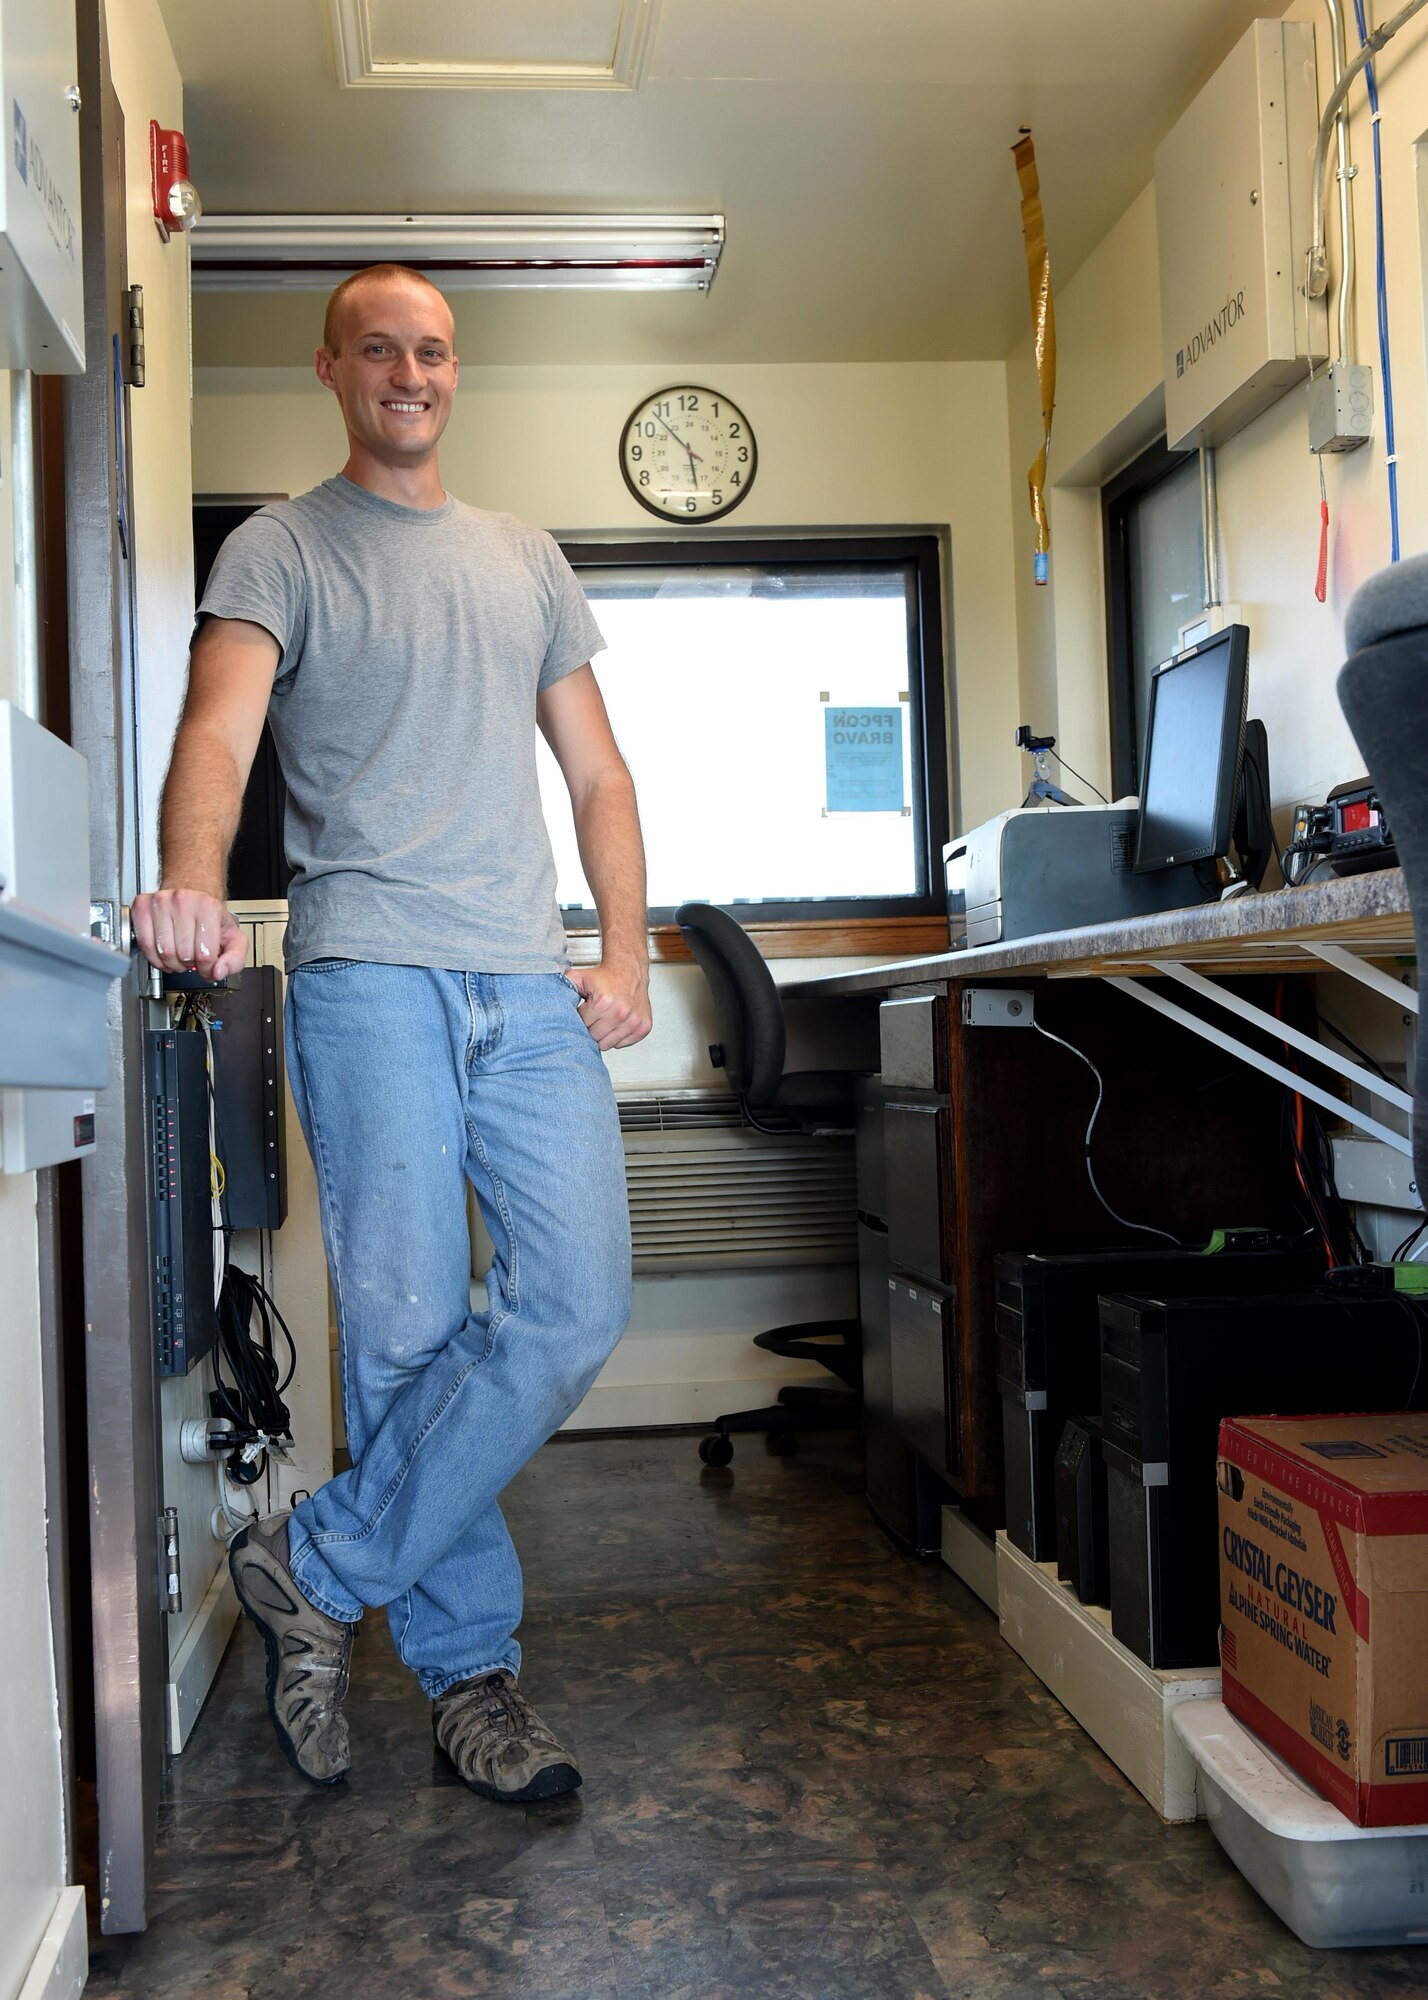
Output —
(129, 1652)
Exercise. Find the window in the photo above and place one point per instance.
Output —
(780, 705)
(1155, 571)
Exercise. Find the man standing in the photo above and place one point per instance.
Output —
(406, 647)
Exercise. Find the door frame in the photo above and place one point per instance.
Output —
(130, 1665)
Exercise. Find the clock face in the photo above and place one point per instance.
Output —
(688, 454)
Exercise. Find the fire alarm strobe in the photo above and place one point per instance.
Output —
(176, 202)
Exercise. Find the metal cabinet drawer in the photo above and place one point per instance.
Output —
(912, 1038)
(868, 1101)
(922, 1330)
(917, 1148)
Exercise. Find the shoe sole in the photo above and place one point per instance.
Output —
(556, 1781)
(274, 1657)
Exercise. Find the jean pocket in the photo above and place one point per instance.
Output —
(327, 965)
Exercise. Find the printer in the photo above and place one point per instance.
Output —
(1055, 868)
(1052, 864)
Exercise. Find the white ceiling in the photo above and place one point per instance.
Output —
(858, 148)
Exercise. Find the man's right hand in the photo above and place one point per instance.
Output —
(182, 930)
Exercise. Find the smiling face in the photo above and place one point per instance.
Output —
(389, 357)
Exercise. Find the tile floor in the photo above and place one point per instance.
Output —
(812, 1770)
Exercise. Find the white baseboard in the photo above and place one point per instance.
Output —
(971, 1554)
(193, 1667)
(60, 1967)
(619, 1406)
(1117, 1699)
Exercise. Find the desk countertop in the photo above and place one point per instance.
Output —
(1365, 914)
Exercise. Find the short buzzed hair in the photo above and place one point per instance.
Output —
(333, 317)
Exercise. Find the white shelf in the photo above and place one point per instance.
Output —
(1117, 1699)
(970, 1553)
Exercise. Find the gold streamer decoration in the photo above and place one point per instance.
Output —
(1043, 319)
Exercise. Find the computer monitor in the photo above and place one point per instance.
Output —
(1194, 739)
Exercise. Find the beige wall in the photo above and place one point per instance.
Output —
(917, 444)
(1110, 405)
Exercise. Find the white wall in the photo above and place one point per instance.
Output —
(910, 445)
(1110, 405)
(32, 1860)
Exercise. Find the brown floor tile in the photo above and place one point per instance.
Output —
(813, 1770)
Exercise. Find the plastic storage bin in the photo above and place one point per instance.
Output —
(1332, 1882)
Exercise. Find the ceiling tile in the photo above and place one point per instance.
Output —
(494, 44)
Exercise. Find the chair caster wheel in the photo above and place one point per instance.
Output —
(781, 1444)
(716, 1450)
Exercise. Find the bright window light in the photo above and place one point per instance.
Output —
(768, 716)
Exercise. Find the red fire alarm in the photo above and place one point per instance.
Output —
(176, 202)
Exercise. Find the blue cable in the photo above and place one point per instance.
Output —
(1382, 290)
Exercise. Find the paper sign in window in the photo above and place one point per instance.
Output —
(863, 755)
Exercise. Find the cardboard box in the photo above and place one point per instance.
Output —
(1324, 1602)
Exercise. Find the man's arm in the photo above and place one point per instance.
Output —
(185, 923)
(572, 717)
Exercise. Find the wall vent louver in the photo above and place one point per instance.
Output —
(712, 1199)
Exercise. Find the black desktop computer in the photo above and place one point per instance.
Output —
(1171, 1369)
(1083, 1552)
(1048, 1351)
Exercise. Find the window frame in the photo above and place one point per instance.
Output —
(1118, 498)
(927, 699)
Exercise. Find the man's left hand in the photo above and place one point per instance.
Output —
(616, 1006)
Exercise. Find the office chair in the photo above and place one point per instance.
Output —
(1383, 691)
(751, 1049)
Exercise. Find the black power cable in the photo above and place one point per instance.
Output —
(253, 1400)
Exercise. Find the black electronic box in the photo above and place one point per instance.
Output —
(186, 1323)
(1171, 1369)
(1049, 1347)
(1082, 1539)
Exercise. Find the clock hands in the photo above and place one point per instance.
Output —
(677, 438)
(693, 454)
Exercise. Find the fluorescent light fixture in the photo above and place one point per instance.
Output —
(606, 253)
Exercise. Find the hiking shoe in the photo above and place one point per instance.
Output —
(498, 1743)
(309, 1654)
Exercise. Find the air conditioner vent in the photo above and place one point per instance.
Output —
(718, 1199)
(692, 1111)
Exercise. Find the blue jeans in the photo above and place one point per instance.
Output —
(408, 1082)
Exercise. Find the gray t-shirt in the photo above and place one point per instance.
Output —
(414, 644)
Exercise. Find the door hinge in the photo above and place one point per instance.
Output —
(134, 322)
(169, 1567)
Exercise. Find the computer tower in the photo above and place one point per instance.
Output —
(186, 1324)
(926, 1400)
(904, 1496)
(1170, 1370)
(1049, 1348)
(1082, 1538)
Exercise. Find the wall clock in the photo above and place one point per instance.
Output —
(688, 453)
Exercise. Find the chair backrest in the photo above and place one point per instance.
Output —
(745, 998)
(1383, 691)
